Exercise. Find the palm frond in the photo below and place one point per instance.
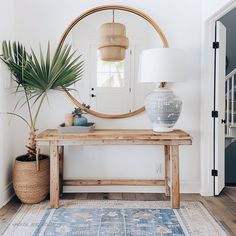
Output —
(63, 70)
(36, 75)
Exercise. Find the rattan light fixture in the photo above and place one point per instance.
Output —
(113, 41)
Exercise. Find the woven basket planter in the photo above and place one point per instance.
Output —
(31, 182)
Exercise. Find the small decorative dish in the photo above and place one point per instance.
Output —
(88, 128)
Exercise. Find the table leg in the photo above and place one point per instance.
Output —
(61, 164)
(54, 175)
(175, 186)
(167, 169)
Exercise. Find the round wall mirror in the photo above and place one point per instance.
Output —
(111, 88)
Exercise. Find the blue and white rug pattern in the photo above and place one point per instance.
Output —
(113, 218)
(109, 221)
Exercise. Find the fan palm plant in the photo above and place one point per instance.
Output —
(35, 76)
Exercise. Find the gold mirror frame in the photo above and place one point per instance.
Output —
(103, 8)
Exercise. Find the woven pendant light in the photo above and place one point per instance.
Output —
(113, 41)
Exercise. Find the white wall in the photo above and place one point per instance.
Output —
(210, 7)
(40, 21)
(6, 33)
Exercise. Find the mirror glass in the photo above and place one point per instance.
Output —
(112, 87)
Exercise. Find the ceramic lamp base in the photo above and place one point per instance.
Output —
(158, 129)
(163, 109)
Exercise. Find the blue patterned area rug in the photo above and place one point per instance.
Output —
(113, 218)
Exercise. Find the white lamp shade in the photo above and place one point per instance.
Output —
(162, 65)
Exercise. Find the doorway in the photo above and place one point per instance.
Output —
(228, 20)
(224, 103)
(208, 167)
(218, 112)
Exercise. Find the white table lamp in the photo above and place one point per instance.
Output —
(162, 65)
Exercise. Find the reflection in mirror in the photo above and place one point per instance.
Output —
(112, 87)
(110, 74)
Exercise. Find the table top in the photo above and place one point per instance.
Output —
(115, 134)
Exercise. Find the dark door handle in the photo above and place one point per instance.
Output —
(223, 121)
(92, 95)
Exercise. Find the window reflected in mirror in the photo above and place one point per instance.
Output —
(110, 74)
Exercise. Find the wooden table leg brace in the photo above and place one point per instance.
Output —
(167, 169)
(61, 169)
(175, 186)
(54, 174)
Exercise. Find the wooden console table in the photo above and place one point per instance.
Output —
(171, 141)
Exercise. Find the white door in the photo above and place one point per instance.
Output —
(220, 107)
(110, 81)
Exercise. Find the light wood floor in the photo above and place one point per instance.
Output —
(222, 207)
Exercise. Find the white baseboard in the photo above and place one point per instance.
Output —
(6, 195)
(186, 187)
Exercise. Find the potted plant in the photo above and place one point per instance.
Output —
(79, 119)
(34, 77)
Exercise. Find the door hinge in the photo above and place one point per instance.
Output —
(215, 45)
(214, 172)
(214, 114)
